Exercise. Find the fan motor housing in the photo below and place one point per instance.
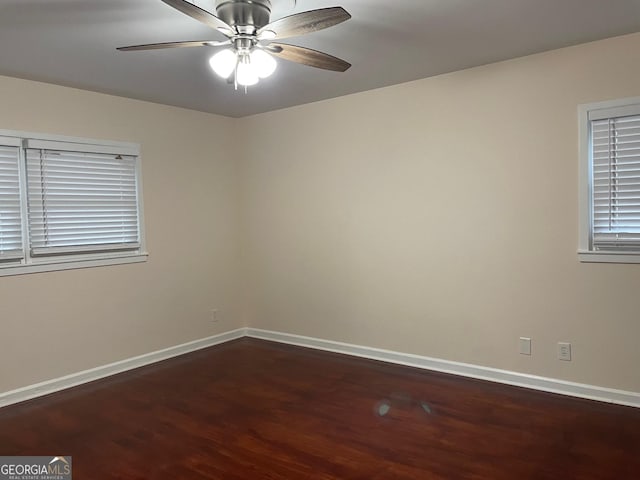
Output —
(244, 12)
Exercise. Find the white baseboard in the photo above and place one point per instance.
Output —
(86, 376)
(544, 384)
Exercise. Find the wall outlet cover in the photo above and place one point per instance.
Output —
(564, 351)
(525, 346)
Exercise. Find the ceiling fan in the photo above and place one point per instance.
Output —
(246, 24)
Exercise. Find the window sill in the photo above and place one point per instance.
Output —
(608, 257)
(70, 264)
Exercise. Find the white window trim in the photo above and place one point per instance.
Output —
(585, 251)
(131, 148)
(67, 262)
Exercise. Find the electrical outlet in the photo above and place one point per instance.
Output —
(525, 346)
(564, 351)
(214, 315)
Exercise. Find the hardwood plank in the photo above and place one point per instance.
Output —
(251, 409)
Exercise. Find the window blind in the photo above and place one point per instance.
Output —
(10, 212)
(615, 151)
(81, 202)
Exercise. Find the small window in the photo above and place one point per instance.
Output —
(68, 203)
(610, 182)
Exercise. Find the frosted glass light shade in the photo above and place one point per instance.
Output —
(224, 62)
(267, 35)
(246, 74)
(263, 63)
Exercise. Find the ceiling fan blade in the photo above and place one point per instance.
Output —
(201, 15)
(307, 56)
(306, 22)
(158, 46)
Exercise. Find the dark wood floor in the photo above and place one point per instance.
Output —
(256, 410)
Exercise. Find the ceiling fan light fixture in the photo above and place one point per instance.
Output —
(246, 23)
(263, 63)
(246, 73)
(224, 62)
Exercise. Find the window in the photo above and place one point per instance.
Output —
(68, 203)
(610, 182)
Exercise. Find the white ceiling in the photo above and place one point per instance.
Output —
(73, 42)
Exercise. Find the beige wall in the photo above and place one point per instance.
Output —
(440, 218)
(52, 324)
(437, 217)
